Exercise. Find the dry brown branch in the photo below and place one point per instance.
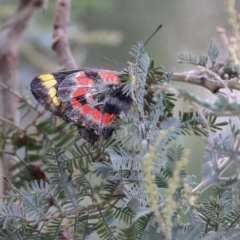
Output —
(61, 46)
(60, 41)
(21, 15)
(9, 45)
(212, 85)
(45, 5)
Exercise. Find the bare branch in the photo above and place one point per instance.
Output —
(202, 186)
(9, 45)
(212, 85)
(22, 14)
(45, 5)
(60, 42)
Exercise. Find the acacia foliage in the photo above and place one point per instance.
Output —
(133, 186)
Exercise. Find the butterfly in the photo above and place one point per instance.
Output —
(90, 98)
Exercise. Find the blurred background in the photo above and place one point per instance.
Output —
(110, 27)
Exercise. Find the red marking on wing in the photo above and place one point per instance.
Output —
(85, 110)
(79, 92)
(85, 81)
(107, 118)
(109, 77)
(81, 74)
(75, 102)
(96, 115)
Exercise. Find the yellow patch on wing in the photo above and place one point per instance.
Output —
(46, 77)
(56, 101)
(50, 83)
(52, 92)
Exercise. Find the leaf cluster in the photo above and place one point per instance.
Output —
(77, 190)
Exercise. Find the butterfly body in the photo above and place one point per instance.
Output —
(89, 98)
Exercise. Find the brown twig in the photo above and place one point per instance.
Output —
(45, 5)
(60, 42)
(18, 17)
(212, 85)
(9, 46)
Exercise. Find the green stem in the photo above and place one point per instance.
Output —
(11, 123)
(18, 96)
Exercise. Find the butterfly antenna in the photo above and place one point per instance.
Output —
(110, 60)
(158, 28)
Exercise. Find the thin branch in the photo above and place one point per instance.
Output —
(202, 186)
(45, 5)
(44, 134)
(209, 134)
(11, 123)
(176, 92)
(20, 17)
(227, 161)
(25, 114)
(222, 165)
(205, 184)
(231, 95)
(106, 223)
(225, 164)
(9, 46)
(223, 114)
(33, 122)
(60, 42)
(17, 96)
(212, 85)
(7, 152)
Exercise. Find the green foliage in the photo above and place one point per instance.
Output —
(133, 186)
(192, 121)
(189, 58)
(212, 51)
(221, 107)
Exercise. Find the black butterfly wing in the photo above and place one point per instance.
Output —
(89, 98)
